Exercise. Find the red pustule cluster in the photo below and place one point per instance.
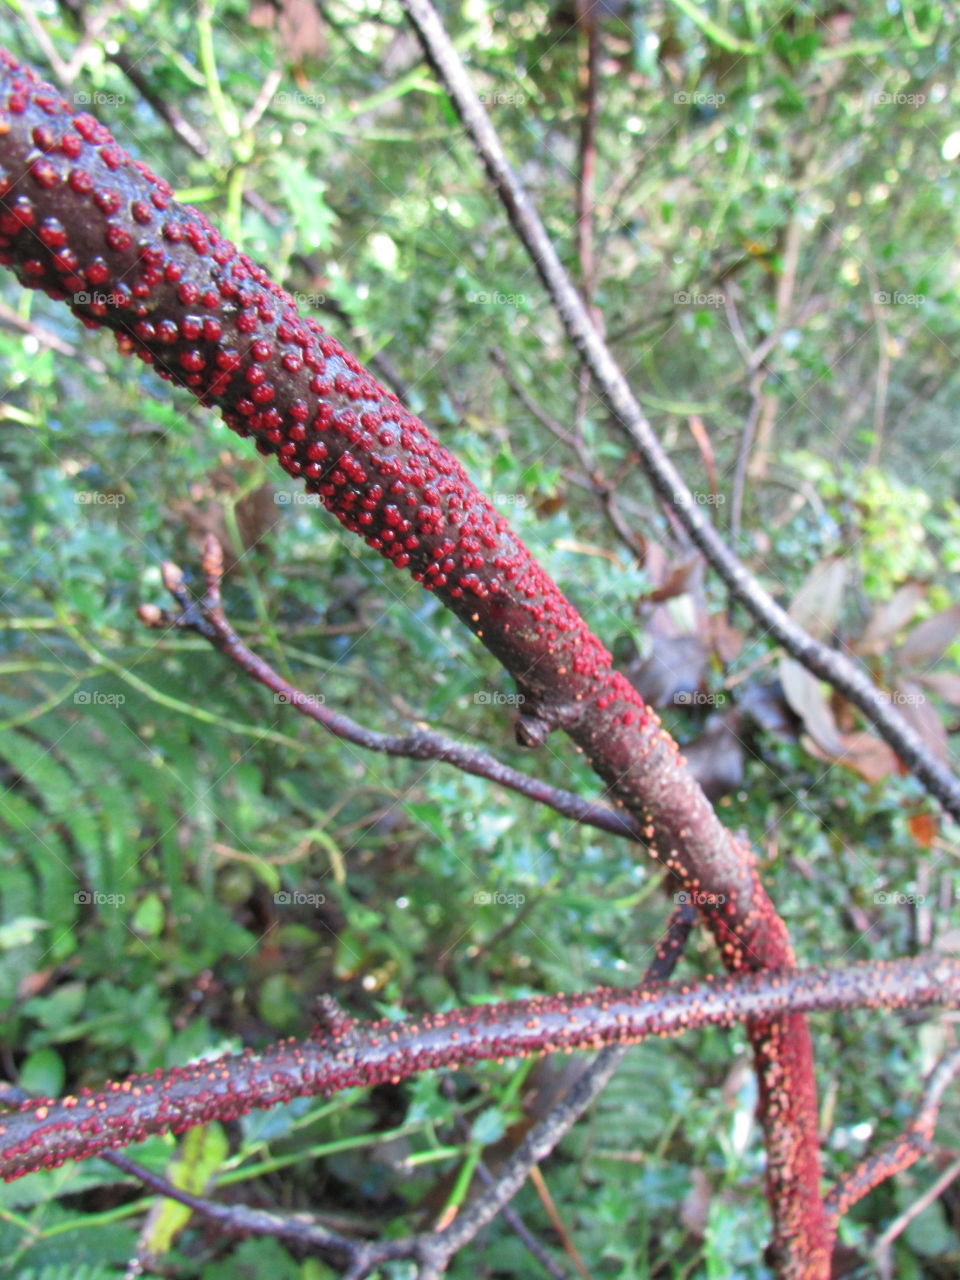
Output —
(82, 220)
(344, 1053)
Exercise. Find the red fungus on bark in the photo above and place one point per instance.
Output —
(92, 227)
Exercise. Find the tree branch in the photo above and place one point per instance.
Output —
(207, 618)
(912, 1145)
(344, 1053)
(829, 664)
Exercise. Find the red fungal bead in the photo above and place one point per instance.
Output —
(229, 359)
(44, 174)
(107, 201)
(43, 137)
(119, 238)
(112, 156)
(51, 232)
(71, 145)
(80, 182)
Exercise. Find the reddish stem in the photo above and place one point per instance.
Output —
(83, 221)
(344, 1053)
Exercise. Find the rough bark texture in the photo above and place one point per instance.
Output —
(83, 221)
(344, 1053)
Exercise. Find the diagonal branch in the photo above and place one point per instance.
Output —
(827, 663)
(345, 1053)
(83, 221)
(207, 618)
(912, 1145)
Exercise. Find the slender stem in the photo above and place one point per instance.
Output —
(829, 664)
(343, 1052)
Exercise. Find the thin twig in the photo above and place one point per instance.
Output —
(827, 663)
(907, 1149)
(207, 618)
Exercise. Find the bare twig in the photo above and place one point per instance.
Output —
(829, 664)
(207, 618)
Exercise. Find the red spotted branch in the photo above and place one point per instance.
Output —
(344, 1053)
(912, 1145)
(94, 228)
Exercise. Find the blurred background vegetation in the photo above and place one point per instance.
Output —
(774, 233)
